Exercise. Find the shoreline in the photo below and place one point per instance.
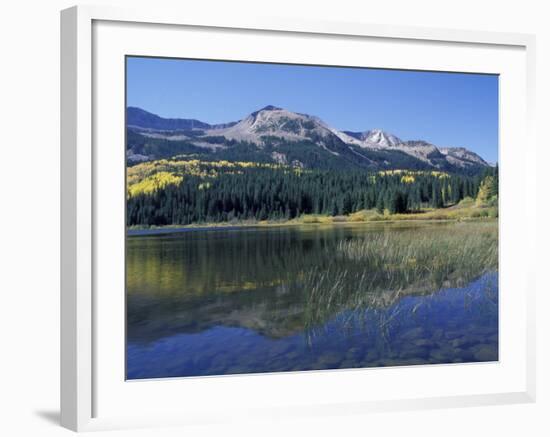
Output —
(173, 229)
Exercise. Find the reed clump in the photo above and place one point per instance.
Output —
(380, 268)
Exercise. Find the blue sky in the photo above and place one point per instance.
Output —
(446, 109)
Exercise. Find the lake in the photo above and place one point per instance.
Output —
(292, 298)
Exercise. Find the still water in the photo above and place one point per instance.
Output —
(248, 300)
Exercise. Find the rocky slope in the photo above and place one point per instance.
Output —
(274, 134)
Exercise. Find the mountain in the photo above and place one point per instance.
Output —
(435, 156)
(461, 156)
(376, 138)
(274, 134)
(140, 119)
(274, 122)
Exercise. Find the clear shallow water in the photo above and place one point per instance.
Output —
(242, 301)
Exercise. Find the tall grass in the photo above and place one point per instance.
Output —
(376, 270)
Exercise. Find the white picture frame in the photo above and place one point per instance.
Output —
(85, 174)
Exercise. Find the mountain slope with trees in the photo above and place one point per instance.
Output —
(276, 135)
(171, 192)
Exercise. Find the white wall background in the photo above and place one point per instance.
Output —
(29, 215)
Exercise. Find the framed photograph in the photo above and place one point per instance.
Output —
(274, 218)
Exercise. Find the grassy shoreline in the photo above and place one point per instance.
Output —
(465, 211)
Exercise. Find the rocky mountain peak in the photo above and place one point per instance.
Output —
(381, 138)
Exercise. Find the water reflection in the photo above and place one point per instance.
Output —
(263, 300)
